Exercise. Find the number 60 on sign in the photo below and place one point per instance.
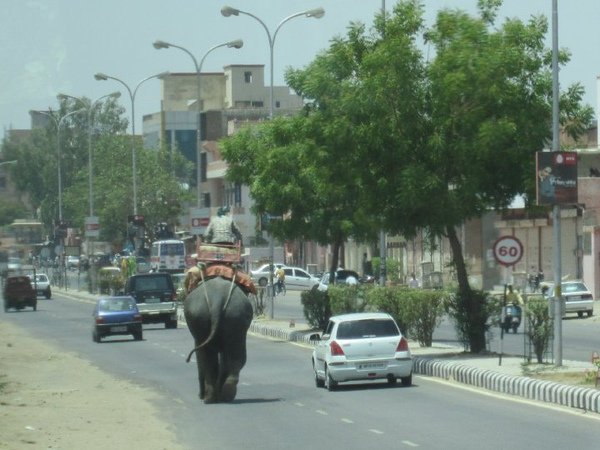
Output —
(508, 250)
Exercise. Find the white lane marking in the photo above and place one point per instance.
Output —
(320, 411)
(299, 404)
(410, 444)
(373, 430)
(347, 420)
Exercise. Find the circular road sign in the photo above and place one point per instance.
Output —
(508, 250)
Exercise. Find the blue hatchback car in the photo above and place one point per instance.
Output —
(116, 316)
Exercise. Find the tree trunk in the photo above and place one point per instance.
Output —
(335, 257)
(474, 309)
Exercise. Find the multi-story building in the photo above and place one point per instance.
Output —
(228, 100)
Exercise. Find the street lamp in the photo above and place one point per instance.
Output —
(238, 43)
(89, 108)
(104, 77)
(317, 13)
(58, 122)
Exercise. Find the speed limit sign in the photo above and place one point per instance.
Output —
(508, 250)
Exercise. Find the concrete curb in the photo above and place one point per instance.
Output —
(583, 398)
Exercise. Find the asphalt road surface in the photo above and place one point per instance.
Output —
(278, 405)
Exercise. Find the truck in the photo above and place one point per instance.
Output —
(155, 296)
(18, 293)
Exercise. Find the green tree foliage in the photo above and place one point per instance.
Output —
(159, 172)
(9, 211)
(416, 142)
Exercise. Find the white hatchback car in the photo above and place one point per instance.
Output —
(361, 346)
(299, 279)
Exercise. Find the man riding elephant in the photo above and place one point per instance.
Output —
(222, 229)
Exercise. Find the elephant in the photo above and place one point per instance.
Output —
(218, 314)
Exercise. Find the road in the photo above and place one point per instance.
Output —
(278, 405)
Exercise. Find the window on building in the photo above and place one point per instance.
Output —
(248, 77)
(277, 104)
(243, 104)
(258, 104)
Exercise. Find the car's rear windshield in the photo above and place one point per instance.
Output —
(358, 329)
(159, 283)
(116, 304)
(573, 287)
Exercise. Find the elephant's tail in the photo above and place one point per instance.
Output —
(215, 312)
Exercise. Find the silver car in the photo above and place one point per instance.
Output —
(578, 298)
(299, 279)
(361, 346)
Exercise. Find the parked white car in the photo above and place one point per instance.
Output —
(361, 346)
(299, 279)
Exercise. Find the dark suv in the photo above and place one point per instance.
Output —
(155, 296)
(18, 293)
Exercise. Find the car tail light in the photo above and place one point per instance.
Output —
(174, 296)
(99, 320)
(402, 345)
(137, 317)
(336, 349)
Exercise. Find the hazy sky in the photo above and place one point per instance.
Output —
(56, 46)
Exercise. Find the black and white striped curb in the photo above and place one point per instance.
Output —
(587, 399)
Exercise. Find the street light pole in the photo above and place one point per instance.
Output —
(89, 108)
(104, 77)
(317, 13)
(238, 43)
(58, 122)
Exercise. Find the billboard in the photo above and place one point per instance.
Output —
(556, 178)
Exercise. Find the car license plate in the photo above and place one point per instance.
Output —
(369, 366)
(118, 329)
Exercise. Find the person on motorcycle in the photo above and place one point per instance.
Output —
(222, 229)
(513, 297)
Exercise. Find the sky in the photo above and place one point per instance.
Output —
(49, 47)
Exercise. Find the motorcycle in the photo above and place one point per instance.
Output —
(512, 318)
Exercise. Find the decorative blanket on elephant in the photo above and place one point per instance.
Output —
(215, 253)
(196, 274)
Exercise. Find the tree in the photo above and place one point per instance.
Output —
(159, 193)
(158, 171)
(9, 211)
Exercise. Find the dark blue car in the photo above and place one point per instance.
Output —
(116, 316)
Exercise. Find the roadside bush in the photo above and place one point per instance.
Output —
(316, 309)
(389, 300)
(417, 311)
(471, 324)
(348, 299)
(423, 312)
(540, 326)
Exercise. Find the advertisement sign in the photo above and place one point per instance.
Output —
(199, 220)
(92, 227)
(556, 178)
